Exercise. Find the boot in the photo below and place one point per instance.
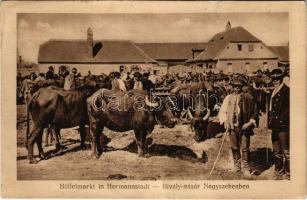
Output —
(245, 165)
(236, 159)
(279, 166)
(287, 164)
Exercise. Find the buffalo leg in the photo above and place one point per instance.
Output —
(32, 138)
(94, 135)
(47, 137)
(57, 133)
(98, 136)
(82, 136)
(40, 147)
(140, 137)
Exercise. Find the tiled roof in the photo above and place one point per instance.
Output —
(282, 52)
(170, 51)
(219, 41)
(76, 51)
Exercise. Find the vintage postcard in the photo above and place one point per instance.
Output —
(153, 99)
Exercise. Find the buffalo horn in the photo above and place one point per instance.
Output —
(207, 115)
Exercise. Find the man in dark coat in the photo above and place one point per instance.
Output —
(137, 85)
(147, 84)
(239, 113)
(50, 73)
(279, 118)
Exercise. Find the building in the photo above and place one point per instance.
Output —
(283, 55)
(97, 56)
(173, 56)
(235, 50)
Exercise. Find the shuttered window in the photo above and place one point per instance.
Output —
(239, 47)
(251, 47)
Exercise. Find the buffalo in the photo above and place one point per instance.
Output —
(124, 111)
(59, 109)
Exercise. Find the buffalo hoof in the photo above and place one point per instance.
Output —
(95, 156)
(42, 157)
(198, 139)
(59, 147)
(141, 153)
(146, 155)
(33, 161)
(82, 146)
(149, 141)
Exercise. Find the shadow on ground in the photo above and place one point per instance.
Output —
(260, 160)
(173, 151)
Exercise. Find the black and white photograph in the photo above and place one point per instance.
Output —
(153, 96)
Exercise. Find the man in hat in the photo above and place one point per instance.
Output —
(70, 80)
(147, 84)
(279, 108)
(50, 73)
(117, 83)
(239, 113)
(138, 85)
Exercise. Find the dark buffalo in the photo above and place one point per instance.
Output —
(59, 109)
(202, 107)
(119, 111)
(200, 100)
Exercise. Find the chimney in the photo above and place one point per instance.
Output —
(90, 42)
(228, 26)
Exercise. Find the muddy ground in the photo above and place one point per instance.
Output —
(174, 155)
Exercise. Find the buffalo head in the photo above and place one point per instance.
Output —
(199, 122)
(162, 111)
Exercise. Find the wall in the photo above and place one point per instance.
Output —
(97, 69)
(242, 66)
(180, 69)
(259, 50)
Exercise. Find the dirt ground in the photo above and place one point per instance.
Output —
(173, 155)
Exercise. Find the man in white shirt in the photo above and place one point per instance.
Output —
(239, 113)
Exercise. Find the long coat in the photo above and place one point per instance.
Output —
(279, 109)
(248, 110)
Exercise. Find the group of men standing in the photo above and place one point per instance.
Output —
(239, 114)
(138, 82)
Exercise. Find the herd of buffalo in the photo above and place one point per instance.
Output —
(93, 103)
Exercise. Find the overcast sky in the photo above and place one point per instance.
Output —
(34, 29)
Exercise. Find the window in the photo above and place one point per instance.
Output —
(239, 47)
(251, 47)
(227, 47)
(229, 64)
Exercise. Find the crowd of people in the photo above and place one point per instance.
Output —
(238, 112)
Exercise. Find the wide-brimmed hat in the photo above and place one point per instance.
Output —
(146, 75)
(238, 81)
(137, 74)
(276, 74)
(117, 74)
